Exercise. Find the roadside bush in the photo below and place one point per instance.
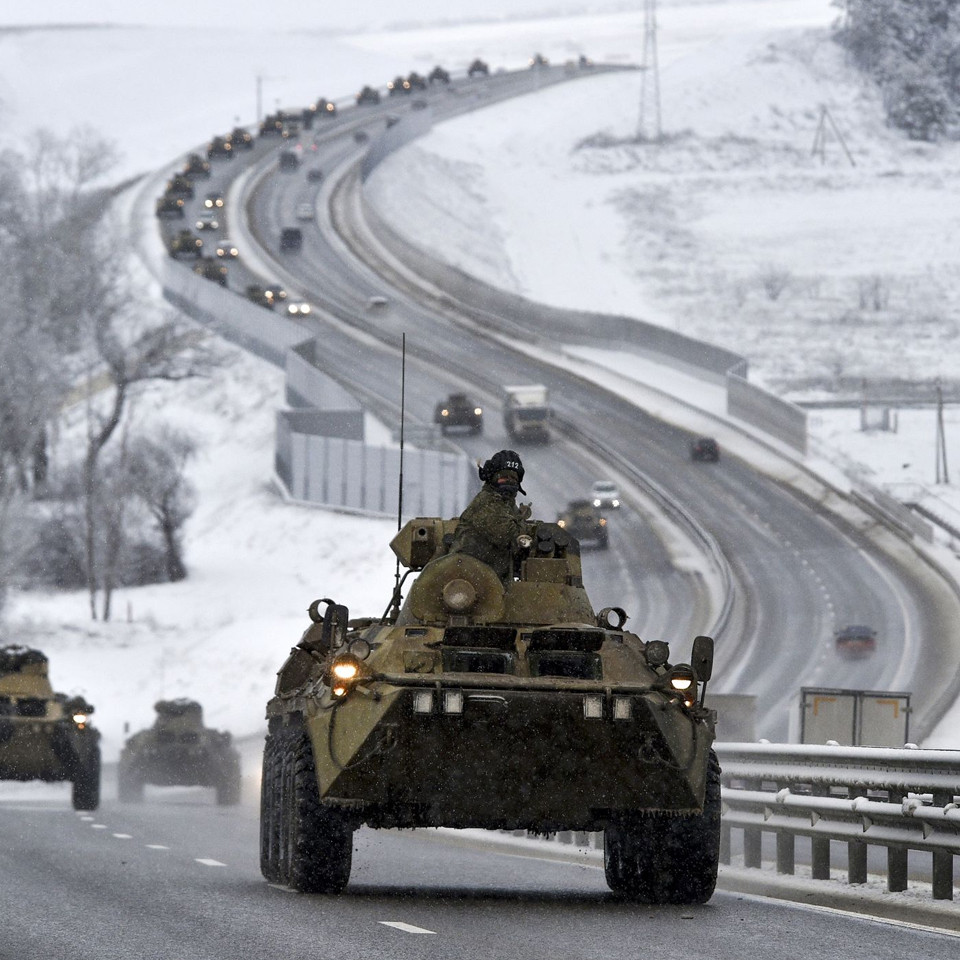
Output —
(918, 104)
(774, 280)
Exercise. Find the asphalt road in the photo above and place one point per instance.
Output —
(177, 877)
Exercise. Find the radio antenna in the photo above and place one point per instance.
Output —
(395, 612)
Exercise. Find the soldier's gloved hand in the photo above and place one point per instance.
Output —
(525, 511)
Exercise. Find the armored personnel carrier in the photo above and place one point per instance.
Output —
(459, 410)
(185, 244)
(45, 735)
(178, 750)
(583, 520)
(497, 705)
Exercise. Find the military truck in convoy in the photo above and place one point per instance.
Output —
(45, 735)
(459, 411)
(178, 750)
(495, 704)
(526, 413)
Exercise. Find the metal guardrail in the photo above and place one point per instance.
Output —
(903, 800)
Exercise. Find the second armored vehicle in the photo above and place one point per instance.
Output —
(458, 410)
(584, 521)
(497, 705)
(45, 735)
(185, 245)
(178, 750)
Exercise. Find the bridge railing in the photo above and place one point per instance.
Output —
(901, 800)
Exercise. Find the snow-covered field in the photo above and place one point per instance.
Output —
(689, 233)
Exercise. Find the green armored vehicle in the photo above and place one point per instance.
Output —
(45, 735)
(496, 705)
(584, 521)
(179, 751)
(185, 245)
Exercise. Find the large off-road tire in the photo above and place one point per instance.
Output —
(86, 783)
(657, 859)
(270, 811)
(129, 786)
(317, 841)
(228, 787)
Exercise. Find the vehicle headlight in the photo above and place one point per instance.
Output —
(80, 719)
(597, 502)
(561, 523)
(478, 411)
(444, 413)
(346, 668)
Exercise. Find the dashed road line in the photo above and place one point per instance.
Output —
(207, 862)
(98, 826)
(124, 836)
(405, 927)
(155, 846)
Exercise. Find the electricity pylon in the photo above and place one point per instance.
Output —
(649, 126)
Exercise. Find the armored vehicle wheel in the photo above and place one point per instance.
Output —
(318, 841)
(668, 859)
(86, 784)
(129, 787)
(228, 789)
(270, 811)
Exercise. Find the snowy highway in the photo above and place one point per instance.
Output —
(178, 877)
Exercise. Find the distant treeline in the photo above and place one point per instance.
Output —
(912, 49)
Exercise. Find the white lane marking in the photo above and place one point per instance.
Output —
(207, 862)
(88, 818)
(124, 836)
(98, 826)
(405, 927)
(155, 846)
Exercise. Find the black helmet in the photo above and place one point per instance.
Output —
(500, 461)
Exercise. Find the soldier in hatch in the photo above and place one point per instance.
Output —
(490, 525)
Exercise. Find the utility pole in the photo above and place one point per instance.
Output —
(943, 475)
(649, 126)
(260, 79)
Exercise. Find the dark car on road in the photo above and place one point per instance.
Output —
(855, 642)
(291, 239)
(368, 95)
(705, 449)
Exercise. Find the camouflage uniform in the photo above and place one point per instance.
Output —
(489, 527)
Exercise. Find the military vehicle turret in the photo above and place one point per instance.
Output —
(496, 705)
(178, 750)
(438, 75)
(368, 95)
(478, 69)
(45, 735)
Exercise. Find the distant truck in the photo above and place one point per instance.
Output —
(526, 413)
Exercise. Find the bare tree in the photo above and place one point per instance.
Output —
(157, 469)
